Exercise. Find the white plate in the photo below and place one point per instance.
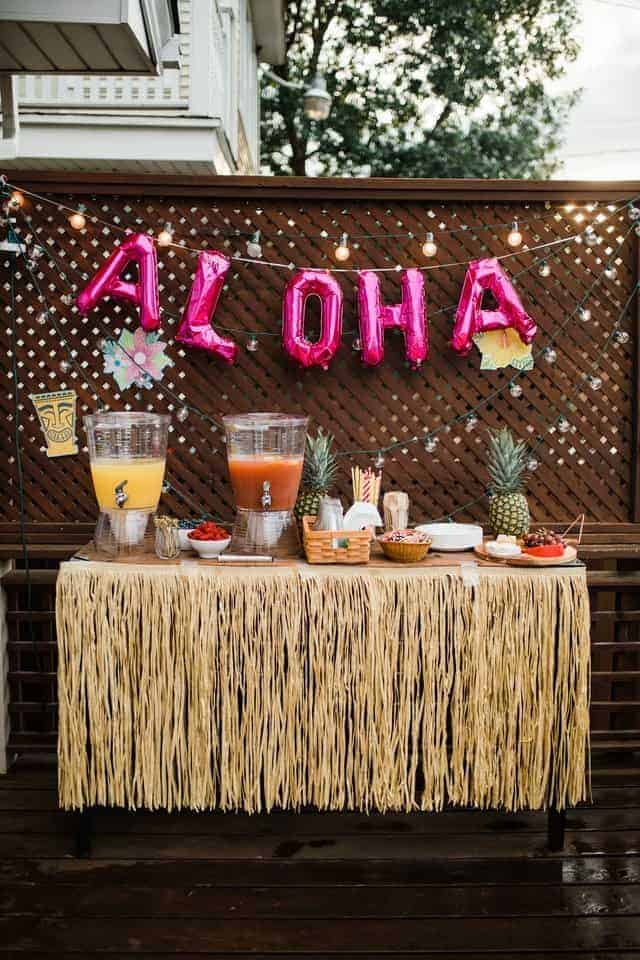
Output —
(452, 537)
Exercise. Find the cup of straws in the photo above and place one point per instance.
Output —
(366, 485)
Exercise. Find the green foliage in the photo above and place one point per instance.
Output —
(445, 88)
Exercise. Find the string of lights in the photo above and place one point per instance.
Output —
(253, 335)
(166, 236)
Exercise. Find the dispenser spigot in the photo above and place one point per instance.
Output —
(265, 499)
(120, 496)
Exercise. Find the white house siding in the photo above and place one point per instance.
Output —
(202, 118)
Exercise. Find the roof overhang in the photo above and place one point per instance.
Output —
(84, 36)
(268, 27)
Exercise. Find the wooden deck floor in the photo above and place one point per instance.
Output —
(318, 886)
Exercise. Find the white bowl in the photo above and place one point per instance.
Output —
(209, 548)
(452, 536)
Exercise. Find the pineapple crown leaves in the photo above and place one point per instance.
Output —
(506, 463)
(320, 464)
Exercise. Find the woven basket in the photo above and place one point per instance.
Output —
(319, 548)
(404, 552)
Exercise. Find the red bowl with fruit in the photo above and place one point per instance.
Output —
(545, 550)
(544, 543)
(208, 539)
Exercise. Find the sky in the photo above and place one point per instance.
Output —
(603, 136)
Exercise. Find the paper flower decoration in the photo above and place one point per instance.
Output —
(501, 348)
(136, 359)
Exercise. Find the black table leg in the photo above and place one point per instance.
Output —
(84, 833)
(555, 829)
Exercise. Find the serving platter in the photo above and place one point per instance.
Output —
(570, 555)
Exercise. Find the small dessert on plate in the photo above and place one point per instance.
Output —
(503, 547)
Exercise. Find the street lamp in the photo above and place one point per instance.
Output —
(316, 102)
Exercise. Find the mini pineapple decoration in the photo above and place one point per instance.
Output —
(318, 474)
(506, 463)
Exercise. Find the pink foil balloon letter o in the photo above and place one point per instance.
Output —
(195, 328)
(304, 284)
(138, 248)
(409, 315)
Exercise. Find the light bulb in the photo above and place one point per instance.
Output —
(594, 382)
(16, 199)
(356, 345)
(515, 237)
(569, 207)
(65, 366)
(254, 249)
(544, 269)
(634, 213)
(182, 414)
(252, 344)
(563, 425)
(78, 220)
(429, 247)
(471, 422)
(165, 237)
(342, 250)
(379, 461)
(515, 390)
(531, 464)
(549, 354)
(621, 336)
(585, 314)
(430, 444)
(610, 272)
(42, 318)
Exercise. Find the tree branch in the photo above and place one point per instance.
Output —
(445, 113)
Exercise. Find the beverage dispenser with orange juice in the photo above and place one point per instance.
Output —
(265, 452)
(127, 454)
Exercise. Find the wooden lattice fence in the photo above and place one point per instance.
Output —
(590, 469)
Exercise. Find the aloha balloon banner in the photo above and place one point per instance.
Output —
(374, 317)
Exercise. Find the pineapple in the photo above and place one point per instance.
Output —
(508, 507)
(318, 474)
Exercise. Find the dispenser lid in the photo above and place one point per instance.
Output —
(262, 421)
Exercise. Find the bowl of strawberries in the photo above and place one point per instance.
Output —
(208, 539)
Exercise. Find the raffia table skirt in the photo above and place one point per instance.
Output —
(187, 686)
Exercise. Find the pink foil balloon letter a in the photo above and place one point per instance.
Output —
(195, 327)
(308, 283)
(409, 315)
(471, 318)
(137, 248)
